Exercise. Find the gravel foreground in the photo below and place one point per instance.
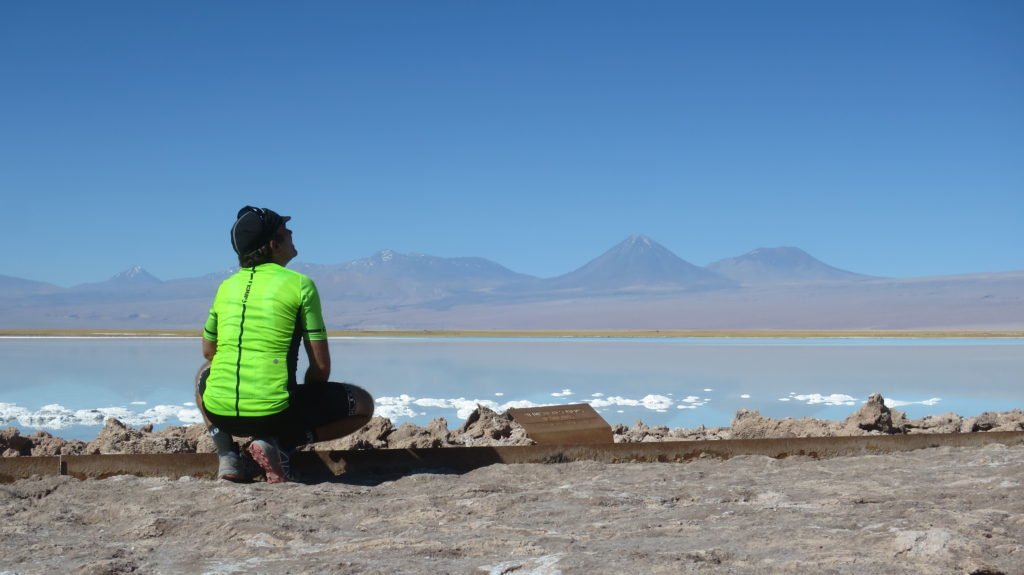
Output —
(941, 510)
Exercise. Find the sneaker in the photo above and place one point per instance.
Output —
(231, 468)
(269, 457)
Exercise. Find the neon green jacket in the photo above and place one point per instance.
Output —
(258, 319)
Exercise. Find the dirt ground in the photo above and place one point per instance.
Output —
(940, 510)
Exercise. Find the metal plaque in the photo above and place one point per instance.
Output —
(576, 424)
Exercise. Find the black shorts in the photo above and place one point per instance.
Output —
(310, 406)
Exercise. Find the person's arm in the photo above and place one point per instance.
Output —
(319, 360)
(209, 349)
(210, 335)
(315, 334)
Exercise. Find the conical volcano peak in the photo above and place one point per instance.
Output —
(638, 243)
(639, 239)
(136, 274)
(637, 262)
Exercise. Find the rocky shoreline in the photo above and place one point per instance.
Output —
(923, 512)
(485, 427)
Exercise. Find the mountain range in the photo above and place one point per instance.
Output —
(637, 284)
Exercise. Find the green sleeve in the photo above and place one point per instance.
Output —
(312, 316)
(210, 329)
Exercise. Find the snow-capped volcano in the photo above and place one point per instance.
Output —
(136, 275)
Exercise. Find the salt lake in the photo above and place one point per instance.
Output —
(68, 386)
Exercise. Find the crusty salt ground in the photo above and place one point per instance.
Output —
(941, 510)
(932, 511)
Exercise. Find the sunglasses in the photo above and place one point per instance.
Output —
(251, 210)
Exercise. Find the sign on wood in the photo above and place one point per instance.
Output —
(563, 424)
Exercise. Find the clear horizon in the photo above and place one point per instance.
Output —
(299, 262)
(882, 138)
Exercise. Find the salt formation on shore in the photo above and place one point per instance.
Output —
(932, 512)
(485, 427)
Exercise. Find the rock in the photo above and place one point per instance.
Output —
(635, 434)
(486, 427)
(176, 439)
(752, 425)
(945, 423)
(700, 434)
(658, 433)
(439, 428)
(985, 422)
(44, 444)
(873, 416)
(199, 436)
(485, 422)
(748, 424)
(374, 435)
(1009, 421)
(640, 433)
(899, 420)
(12, 440)
(436, 434)
(116, 437)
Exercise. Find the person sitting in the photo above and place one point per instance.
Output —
(251, 339)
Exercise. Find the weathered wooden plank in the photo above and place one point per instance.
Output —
(327, 465)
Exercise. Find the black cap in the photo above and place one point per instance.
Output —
(254, 228)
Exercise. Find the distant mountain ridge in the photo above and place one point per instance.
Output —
(636, 284)
(779, 265)
(391, 263)
(638, 261)
(404, 278)
(15, 287)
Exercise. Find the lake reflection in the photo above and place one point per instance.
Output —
(57, 383)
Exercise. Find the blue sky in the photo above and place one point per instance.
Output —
(882, 137)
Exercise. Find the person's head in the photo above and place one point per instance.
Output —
(260, 236)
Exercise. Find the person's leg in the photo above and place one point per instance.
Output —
(229, 462)
(265, 449)
(274, 461)
(326, 411)
(360, 413)
(201, 375)
(318, 412)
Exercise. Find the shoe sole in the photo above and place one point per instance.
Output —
(274, 474)
(235, 478)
